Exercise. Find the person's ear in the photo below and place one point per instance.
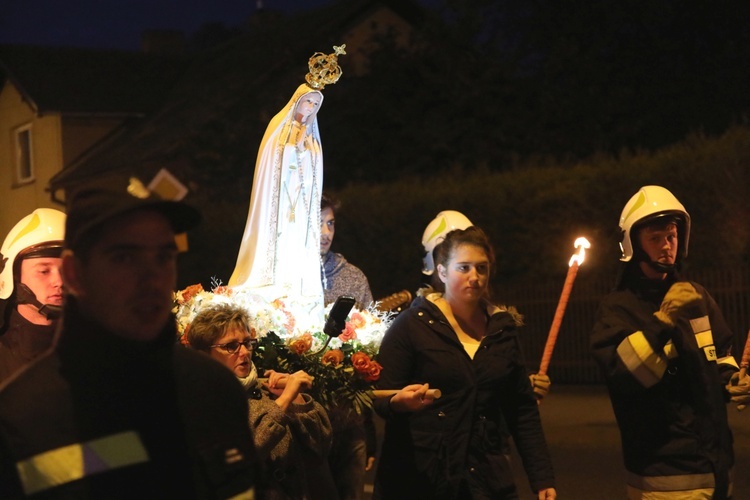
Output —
(442, 273)
(71, 273)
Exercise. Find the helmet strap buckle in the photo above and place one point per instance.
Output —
(24, 295)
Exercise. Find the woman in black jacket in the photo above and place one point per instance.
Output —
(457, 341)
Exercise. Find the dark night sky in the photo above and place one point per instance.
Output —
(118, 23)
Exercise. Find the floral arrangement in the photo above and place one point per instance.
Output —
(292, 339)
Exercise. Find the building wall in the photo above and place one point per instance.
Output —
(56, 141)
(18, 200)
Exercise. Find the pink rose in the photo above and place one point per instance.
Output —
(358, 321)
(349, 333)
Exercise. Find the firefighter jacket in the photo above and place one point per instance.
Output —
(22, 342)
(667, 387)
(101, 416)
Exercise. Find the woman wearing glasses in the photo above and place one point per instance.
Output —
(291, 431)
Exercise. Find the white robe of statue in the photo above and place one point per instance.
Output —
(280, 251)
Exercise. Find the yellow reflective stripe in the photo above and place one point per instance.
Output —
(710, 352)
(70, 463)
(728, 360)
(670, 351)
(51, 468)
(700, 324)
(245, 495)
(704, 338)
(641, 360)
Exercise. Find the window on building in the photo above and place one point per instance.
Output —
(24, 157)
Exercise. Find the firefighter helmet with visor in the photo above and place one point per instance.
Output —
(39, 234)
(652, 204)
(434, 234)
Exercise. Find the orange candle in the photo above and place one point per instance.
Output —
(582, 244)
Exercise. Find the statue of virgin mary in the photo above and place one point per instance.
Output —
(280, 251)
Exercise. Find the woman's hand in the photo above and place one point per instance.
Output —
(288, 387)
(413, 397)
(299, 381)
(275, 380)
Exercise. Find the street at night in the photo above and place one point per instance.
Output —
(585, 446)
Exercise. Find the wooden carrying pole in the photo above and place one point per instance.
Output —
(375, 394)
(385, 393)
(745, 362)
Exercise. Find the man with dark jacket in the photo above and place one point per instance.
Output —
(118, 409)
(665, 351)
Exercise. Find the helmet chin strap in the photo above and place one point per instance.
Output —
(642, 256)
(24, 295)
(661, 268)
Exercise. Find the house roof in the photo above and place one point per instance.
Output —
(86, 81)
(214, 116)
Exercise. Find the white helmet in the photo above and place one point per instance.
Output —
(40, 234)
(443, 223)
(647, 205)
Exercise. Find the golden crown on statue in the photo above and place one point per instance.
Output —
(324, 69)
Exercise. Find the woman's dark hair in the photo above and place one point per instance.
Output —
(211, 323)
(442, 253)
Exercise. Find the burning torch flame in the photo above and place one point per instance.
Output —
(581, 244)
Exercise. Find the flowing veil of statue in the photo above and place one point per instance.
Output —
(280, 251)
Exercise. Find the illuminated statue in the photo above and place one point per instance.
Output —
(280, 251)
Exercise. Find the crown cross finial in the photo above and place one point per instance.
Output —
(324, 69)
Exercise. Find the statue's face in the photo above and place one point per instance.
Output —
(307, 105)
